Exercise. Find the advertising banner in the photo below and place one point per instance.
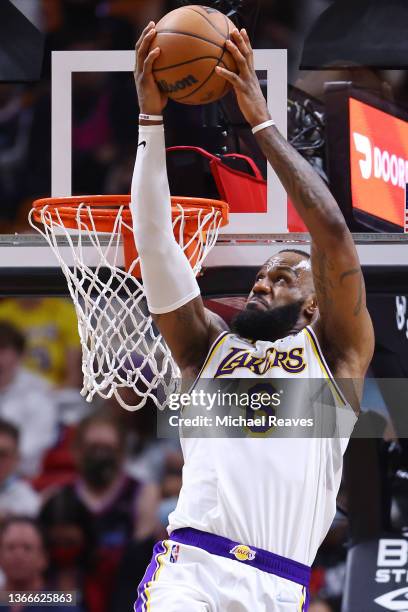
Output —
(378, 162)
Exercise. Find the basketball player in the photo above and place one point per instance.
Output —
(252, 512)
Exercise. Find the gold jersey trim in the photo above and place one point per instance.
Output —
(323, 365)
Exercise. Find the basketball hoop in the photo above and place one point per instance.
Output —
(121, 347)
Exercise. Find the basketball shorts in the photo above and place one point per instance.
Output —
(203, 572)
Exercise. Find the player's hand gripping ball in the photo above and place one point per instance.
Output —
(192, 40)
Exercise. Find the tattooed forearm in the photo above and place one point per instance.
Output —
(333, 289)
(342, 319)
(322, 270)
(308, 192)
(349, 274)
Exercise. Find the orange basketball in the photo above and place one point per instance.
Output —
(192, 42)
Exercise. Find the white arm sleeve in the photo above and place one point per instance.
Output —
(168, 278)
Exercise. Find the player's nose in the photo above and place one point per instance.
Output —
(262, 285)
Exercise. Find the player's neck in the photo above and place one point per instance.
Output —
(296, 329)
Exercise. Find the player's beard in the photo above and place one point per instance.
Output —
(267, 324)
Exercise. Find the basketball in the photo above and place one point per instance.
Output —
(192, 42)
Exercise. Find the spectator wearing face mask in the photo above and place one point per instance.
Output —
(122, 509)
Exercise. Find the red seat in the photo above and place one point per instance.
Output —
(58, 464)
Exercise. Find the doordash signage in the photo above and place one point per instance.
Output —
(378, 162)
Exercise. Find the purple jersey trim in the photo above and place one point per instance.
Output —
(262, 560)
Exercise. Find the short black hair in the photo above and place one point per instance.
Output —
(64, 507)
(297, 251)
(7, 428)
(11, 337)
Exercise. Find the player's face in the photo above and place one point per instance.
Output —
(281, 301)
(284, 279)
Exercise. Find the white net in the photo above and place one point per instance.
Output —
(123, 354)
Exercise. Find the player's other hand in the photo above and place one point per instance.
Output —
(151, 100)
(246, 85)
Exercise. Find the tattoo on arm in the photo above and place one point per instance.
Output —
(324, 274)
(306, 189)
(323, 283)
(359, 302)
(302, 191)
(349, 273)
(357, 308)
(343, 322)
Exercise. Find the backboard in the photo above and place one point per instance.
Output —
(274, 221)
(249, 239)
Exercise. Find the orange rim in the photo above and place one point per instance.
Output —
(104, 209)
(100, 213)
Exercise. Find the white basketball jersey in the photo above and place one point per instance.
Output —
(274, 493)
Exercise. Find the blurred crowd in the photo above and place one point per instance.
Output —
(85, 489)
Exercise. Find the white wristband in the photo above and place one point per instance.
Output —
(263, 125)
(150, 117)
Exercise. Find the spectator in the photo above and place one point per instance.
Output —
(22, 555)
(17, 497)
(50, 326)
(26, 401)
(122, 509)
(23, 561)
(170, 486)
(147, 456)
(69, 533)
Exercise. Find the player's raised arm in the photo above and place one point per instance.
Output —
(171, 289)
(344, 326)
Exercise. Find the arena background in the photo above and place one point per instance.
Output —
(56, 535)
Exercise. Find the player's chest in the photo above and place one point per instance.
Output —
(246, 360)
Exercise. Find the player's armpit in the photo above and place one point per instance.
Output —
(344, 326)
(189, 332)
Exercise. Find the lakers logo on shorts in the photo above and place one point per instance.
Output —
(243, 553)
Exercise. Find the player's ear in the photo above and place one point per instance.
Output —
(310, 307)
